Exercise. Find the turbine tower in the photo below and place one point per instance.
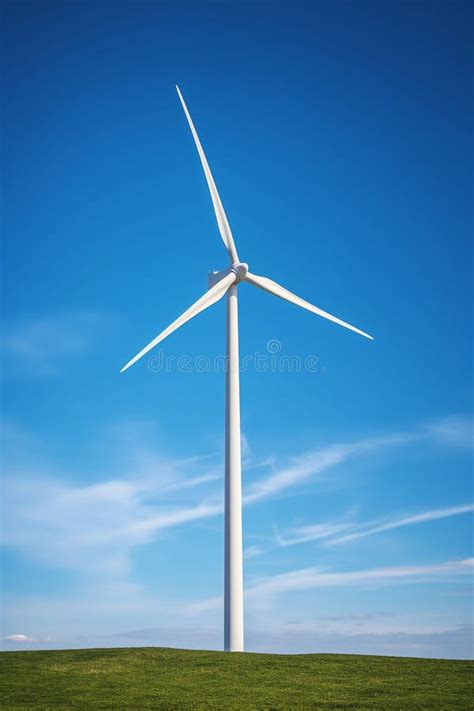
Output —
(220, 283)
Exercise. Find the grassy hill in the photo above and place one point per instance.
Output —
(178, 679)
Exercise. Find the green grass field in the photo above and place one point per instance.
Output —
(177, 679)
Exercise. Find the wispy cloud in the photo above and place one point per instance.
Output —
(194, 481)
(245, 447)
(93, 528)
(315, 462)
(327, 531)
(455, 430)
(450, 431)
(253, 551)
(308, 578)
(432, 515)
(311, 578)
(40, 346)
(315, 532)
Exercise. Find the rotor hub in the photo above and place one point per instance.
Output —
(240, 269)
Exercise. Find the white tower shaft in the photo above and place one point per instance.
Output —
(233, 584)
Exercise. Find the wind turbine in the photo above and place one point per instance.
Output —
(220, 283)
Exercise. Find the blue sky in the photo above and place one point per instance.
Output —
(340, 137)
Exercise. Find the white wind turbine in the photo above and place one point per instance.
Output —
(220, 283)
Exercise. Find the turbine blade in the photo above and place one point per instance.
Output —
(209, 298)
(222, 222)
(277, 290)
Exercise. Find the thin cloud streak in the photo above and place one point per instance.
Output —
(326, 530)
(312, 578)
(174, 518)
(318, 461)
(309, 578)
(433, 515)
(451, 431)
(195, 481)
(253, 552)
(315, 532)
(454, 431)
